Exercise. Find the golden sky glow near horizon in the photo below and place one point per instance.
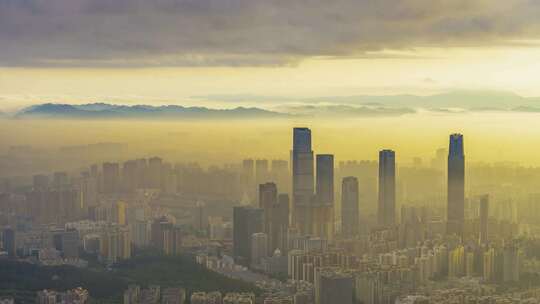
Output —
(167, 51)
(421, 72)
(282, 56)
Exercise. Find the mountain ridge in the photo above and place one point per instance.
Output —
(105, 110)
(458, 98)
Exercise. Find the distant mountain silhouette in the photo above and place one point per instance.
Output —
(457, 101)
(472, 100)
(348, 111)
(104, 111)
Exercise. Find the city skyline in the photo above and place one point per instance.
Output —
(238, 221)
(269, 152)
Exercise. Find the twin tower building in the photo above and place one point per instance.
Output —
(313, 195)
(313, 209)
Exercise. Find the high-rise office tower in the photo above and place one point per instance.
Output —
(156, 231)
(246, 221)
(267, 199)
(67, 242)
(172, 240)
(349, 206)
(302, 179)
(325, 179)
(111, 177)
(323, 207)
(165, 236)
(456, 185)
(484, 217)
(201, 216)
(259, 247)
(280, 224)
(267, 195)
(387, 188)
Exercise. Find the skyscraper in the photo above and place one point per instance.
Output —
(456, 185)
(323, 205)
(302, 176)
(349, 206)
(67, 242)
(246, 221)
(201, 216)
(325, 179)
(259, 247)
(280, 224)
(387, 188)
(156, 236)
(165, 236)
(484, 216)
(267, 199)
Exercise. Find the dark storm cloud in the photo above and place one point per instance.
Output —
(246, 32)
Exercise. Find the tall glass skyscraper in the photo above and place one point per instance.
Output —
(302, 140)
(280, 224)
(267, 199)
(246, 221)
(456, 185)
(302, 179)
(322, 213)
(387, 188)
(325, 179)
(350, 206)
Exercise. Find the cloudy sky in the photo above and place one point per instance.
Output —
(167, 51)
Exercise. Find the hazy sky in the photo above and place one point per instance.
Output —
(166, 51)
